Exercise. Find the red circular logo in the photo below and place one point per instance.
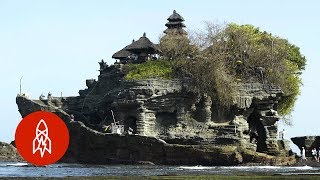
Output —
(42, 138)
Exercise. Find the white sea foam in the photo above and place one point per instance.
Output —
(18, 164)
(196, 167)
(301, 167)
(251, 167)
(229, 167)
(266, 167)
(247, 167)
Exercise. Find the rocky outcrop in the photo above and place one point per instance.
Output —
(284, 148)
(173, 110)
(91, 146)
(170, 120)
(112, 148)
(258, 104)
(9, 153)
(308, 142)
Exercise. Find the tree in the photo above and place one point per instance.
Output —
(281, 61)
(208, 66)
(231, 53)
(175, 46)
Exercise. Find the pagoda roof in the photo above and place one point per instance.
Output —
(175, 23)
(143, 44)
(123, 53)
(175, 31)
(175, 17)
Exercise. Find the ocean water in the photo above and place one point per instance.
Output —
(64, 170)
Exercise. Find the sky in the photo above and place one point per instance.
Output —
(56, 45)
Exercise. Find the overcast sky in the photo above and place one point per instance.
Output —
(55, 45)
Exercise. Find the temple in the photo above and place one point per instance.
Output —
(175, 24)
(137, 52)
(143, 49)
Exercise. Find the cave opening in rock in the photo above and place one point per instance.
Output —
(166, 119)
(257, 132)
(131, 122)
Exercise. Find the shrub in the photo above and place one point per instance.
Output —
(150, 69)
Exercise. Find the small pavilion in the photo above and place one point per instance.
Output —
(137, 52)
(123, 55)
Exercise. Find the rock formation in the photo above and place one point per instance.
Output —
(9, 153)
(165, 121)
(170, 121)
(309, 142)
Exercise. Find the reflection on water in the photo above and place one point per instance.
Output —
(63, 170)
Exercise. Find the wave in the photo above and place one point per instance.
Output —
(197, 167)
(19, 164)
(247, 167)
(229, 167)
(301, 167)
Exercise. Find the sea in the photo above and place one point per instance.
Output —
(8, 169)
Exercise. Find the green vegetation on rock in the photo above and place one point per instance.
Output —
(150, 69)
(281, 62)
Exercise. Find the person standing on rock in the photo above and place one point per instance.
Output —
(318, 155)
(303, 154)
(314, 154)
(283, 134)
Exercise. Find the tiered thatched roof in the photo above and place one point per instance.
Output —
(175, 24)
(175, 17)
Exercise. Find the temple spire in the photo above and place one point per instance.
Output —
(175, 24)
